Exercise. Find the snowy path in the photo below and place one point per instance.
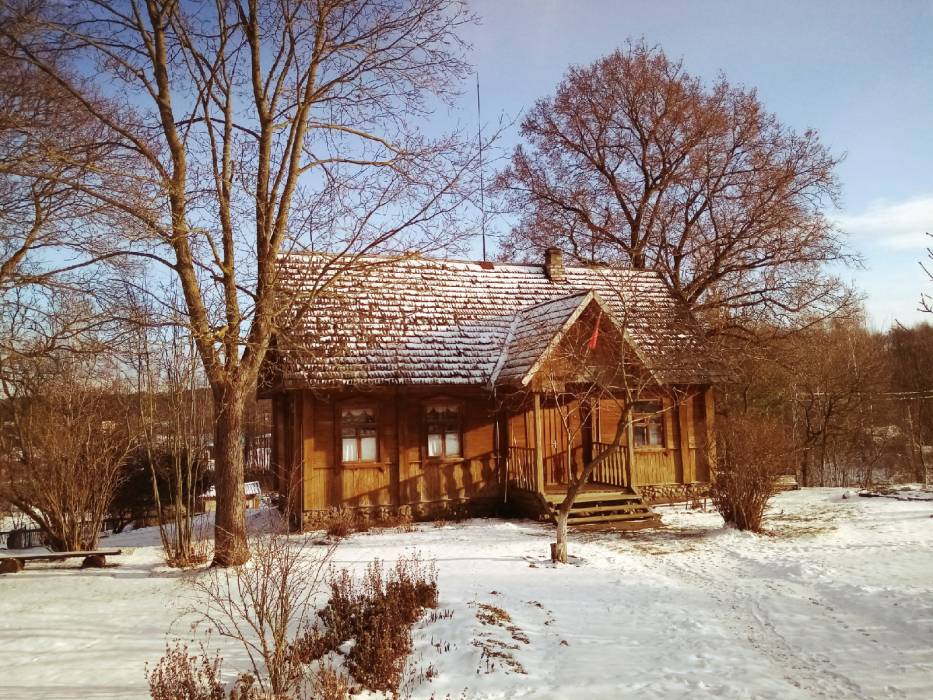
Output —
(836, 603)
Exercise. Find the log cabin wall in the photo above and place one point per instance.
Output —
(307, 447)
(682, 456)
(402, 474)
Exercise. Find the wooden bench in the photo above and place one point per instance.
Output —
(786, 482)
(100, 558)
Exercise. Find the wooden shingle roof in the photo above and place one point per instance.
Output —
(430, 321)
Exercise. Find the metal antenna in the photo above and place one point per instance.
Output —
(482, 189)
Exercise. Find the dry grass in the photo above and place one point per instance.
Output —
(495, 652)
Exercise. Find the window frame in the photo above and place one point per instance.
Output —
(443, 457)
(644, 419)
(357, 405)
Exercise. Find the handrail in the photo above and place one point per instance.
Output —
(520, 464)
(612, 470)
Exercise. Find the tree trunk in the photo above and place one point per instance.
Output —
(559, 548)
(230, 546)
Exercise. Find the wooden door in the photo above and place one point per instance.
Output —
(563, 441)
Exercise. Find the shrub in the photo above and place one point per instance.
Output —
(329, 684)
(343, 521)
(750, 454)
(180, 676)
(377, 614)
(340, 522)
(259, 605)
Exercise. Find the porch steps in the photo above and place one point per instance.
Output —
(606, 508)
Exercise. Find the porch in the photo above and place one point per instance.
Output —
(538, 474)
(527, 469)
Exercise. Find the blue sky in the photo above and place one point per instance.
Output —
(860, 73)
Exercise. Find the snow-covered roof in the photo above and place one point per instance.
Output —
(533, 330)
(250, 488)
(430, 321)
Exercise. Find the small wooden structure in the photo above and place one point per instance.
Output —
(418, 384)
(251, 489)
(786, 482)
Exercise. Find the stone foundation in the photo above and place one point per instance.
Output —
(450, 509)
(654, 494)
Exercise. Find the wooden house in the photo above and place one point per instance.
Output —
(425, 385)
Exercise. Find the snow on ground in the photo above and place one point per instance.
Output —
(837, 602)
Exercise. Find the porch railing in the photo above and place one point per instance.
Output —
(521, 468)
(611, 471)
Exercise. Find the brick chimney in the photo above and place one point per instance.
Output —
(554, 265)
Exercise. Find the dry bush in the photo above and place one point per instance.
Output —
(196, 547)
(64, 439)
(183, 676)
(262, 603)
(377, 614)
(751, 453)
(341, 522)
(329, 684)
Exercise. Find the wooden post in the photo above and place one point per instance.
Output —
(709, 410)
(630, 439)
(298, 469)
(539, 443)
(685, 418)
(395, 475)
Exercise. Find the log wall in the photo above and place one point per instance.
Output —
(402, 474)
(307, 454)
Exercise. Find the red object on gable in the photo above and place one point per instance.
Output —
(591, 344)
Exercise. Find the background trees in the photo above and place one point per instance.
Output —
(66, 433)
(635, 162)
(249, 128)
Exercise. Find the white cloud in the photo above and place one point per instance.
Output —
(897, 225)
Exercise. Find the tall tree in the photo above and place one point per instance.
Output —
(255, 123)
(51, 151)
(633, 161)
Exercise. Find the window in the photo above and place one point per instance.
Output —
(358, 431)
(443, 427)
(648, 424)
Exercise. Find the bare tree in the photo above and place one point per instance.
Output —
(52, 232)
(174, 411)
(836, 370)
(65, 438)
(910, 355)
(635, 162)
(594, 368)
(50, 149)
(258, 126)
(263, 606)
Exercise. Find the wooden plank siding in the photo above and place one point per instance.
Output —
(402, 474)
(306, 446)
(682, 458)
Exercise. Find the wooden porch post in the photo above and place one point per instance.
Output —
(539, 443)
(709, 411)
(630, 440)
(687, 442)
